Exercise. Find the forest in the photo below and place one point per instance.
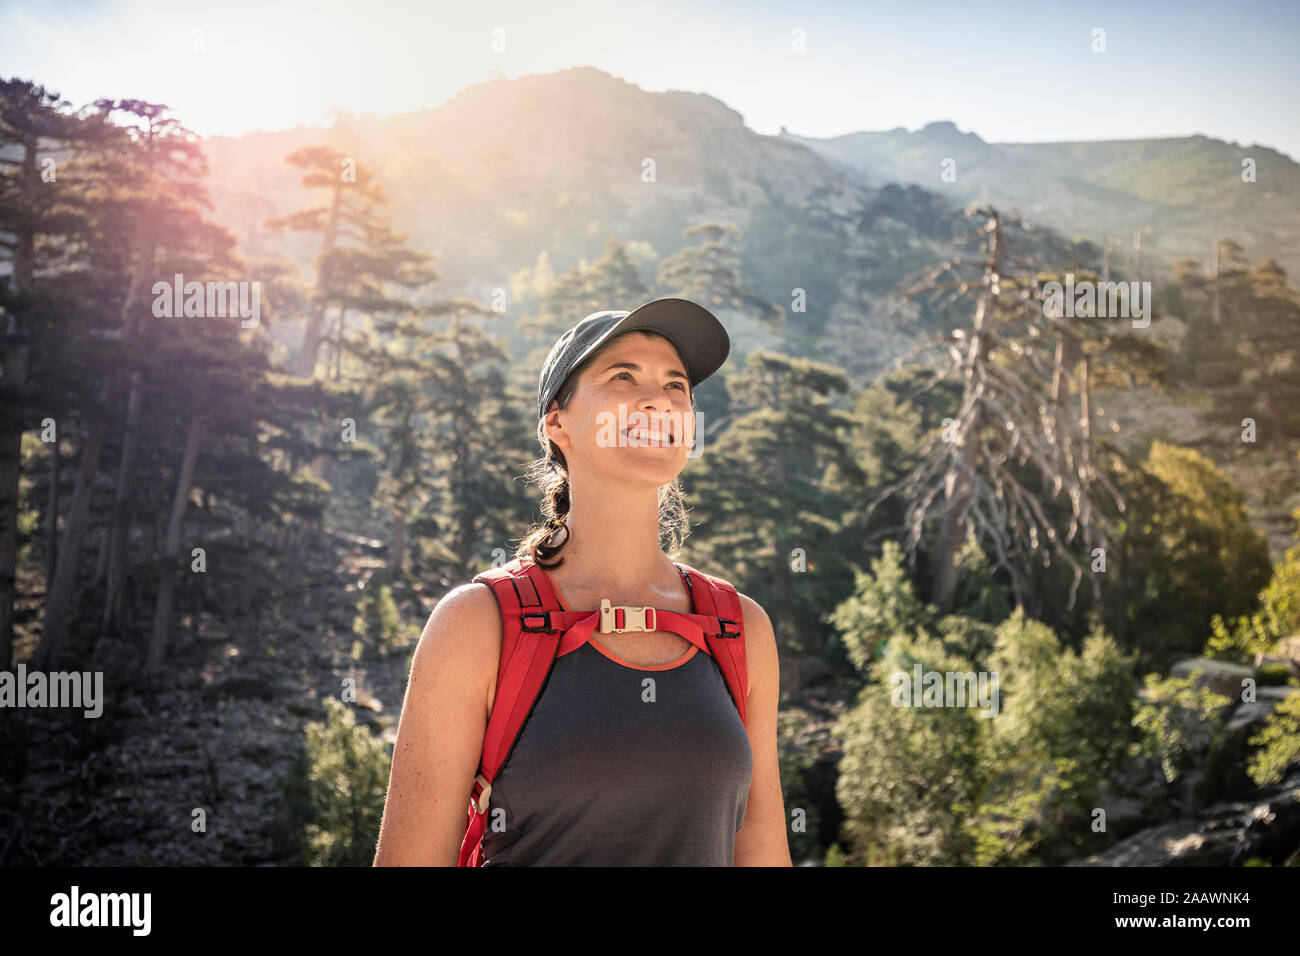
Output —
(240, 465)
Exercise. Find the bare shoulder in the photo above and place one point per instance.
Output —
(761, 658)
(759, 635)
(462, 639)
(466, 612)
(757, 624)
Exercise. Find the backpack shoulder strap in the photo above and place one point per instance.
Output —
(530, 637)
(718, 598)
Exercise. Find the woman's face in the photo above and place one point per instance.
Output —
(631, 414)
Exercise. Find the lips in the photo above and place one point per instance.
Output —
(643, 434)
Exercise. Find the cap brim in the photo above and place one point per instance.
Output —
(699, 336)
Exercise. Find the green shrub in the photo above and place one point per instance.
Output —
(377, 620)
(908, 774)
(1242, 637)
(1191, 553)
(334, 795)
(884, 604)
(1280, 599)
(1278, 742)
(948, 786)
(1066, 719)
(1177, 722)
(1238, 640)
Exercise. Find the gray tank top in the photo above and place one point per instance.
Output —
(621, 765)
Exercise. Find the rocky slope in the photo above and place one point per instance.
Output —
(219, 737)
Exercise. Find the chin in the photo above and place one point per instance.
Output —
(657, 471)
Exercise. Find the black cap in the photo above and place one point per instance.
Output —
(697, 333)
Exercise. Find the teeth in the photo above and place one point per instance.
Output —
(665, 435)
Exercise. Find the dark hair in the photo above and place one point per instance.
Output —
(551, 474)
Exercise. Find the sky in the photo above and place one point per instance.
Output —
(1010, 72)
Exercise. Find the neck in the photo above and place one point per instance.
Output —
(613, 547)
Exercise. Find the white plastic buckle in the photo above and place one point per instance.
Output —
(482, 801)
(634, 618)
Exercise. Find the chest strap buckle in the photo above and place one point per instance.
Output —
(620, 619)
(485, 795)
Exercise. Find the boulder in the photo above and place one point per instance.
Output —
(1246, 716)
(1231, 748)
(1288, 649)
(1222, 677)
(1265, 825)
(1274, 695)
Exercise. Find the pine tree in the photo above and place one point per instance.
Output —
(353, 233)
(776, 486)
(33, 120)
(1262, 331)
(709, 273)
(163, 217)
(435, 391)
(47, 204)
(1218, 298)
(611, 282)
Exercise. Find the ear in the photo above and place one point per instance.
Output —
(555, 428)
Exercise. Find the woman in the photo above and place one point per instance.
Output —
(634, 753)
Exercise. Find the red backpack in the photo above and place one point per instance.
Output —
(536, 630)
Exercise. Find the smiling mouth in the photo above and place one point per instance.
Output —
(645, 436)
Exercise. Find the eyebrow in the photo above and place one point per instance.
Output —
(672, 373)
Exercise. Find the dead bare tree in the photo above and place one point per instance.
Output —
(1016, 364)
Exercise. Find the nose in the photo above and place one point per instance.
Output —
(661, 400)
(661, 407)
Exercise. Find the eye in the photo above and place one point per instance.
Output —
(680, 385)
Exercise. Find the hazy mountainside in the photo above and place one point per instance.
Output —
(1179, 191)
(553, 164)
(550, 167)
